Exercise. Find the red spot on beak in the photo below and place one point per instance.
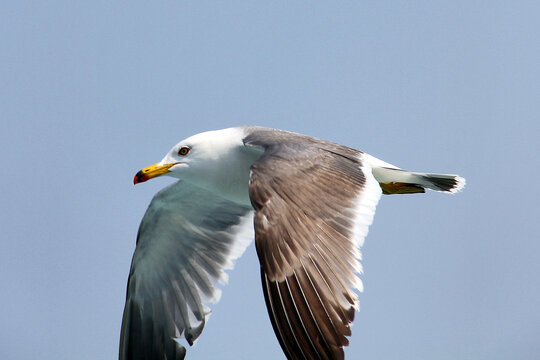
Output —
(140, 177)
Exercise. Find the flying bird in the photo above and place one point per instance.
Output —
(307, 202)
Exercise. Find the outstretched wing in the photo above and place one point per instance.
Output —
(186, 240)
(313, 207)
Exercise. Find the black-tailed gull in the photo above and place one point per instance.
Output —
(308, 203)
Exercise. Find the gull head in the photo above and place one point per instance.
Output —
(200, 158)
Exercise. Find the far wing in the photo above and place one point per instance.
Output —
(313, 208)
(186, 240)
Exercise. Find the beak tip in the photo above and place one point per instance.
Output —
(140, 177)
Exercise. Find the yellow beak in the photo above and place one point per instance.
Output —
(151, 172)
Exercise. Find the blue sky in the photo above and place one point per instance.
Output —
(94, 91)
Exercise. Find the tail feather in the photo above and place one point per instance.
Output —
(394, 180)
(398, 181)
(447, 183)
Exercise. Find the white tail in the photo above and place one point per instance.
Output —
(394, 180)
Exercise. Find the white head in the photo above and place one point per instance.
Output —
(213, 160)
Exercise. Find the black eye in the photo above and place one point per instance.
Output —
(184, 150)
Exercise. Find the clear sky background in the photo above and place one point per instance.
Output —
(93, 91)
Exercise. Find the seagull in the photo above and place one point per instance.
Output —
(308, 204)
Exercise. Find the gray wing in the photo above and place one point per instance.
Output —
(186, 240)
(314, 202)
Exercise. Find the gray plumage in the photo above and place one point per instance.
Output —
(175, 268)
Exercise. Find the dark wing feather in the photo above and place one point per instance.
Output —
(313, 206)
(186, 240)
